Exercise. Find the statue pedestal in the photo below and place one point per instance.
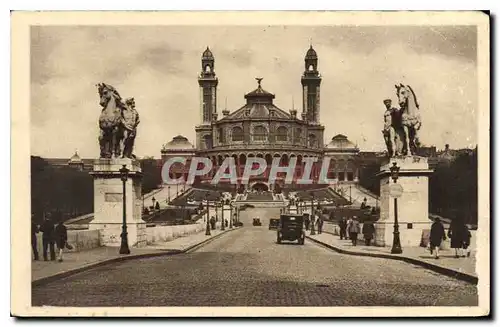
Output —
(413, 204)
(108, 202)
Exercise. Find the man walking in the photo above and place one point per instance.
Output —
(320, 222)
(34, 231)
(368, 232)
(354, 230)
(343, 228)
(47, 229)
(61, 237)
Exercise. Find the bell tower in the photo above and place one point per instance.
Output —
(311, 81)
(208, 81)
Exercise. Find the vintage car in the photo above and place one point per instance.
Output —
(291, 228)
(256, 222)
(273, 223)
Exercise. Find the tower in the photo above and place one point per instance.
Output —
(311, 81)
(208, 88)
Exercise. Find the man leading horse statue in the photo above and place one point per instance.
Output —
(117, 123)
(401, 125)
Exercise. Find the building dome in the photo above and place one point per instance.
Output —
(311, 53)
(341, 143)
(178, 143)
(75, 158)
(207, 54)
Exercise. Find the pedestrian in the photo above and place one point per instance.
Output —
(467, 237)
(368, 231)
(307, 222)
(213, 222)
(456, 233)
(354, 230)
(343, 228)
(34, 232)
(226, 222)
(349, 223)
(47, 230)
(320, 223)
(157, 206)
(61, 237)
(437, 235)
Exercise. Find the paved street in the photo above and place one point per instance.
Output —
(247, 268)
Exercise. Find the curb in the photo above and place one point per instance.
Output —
(63, 274)
(439, 269)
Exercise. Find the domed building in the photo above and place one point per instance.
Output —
(261, 129)
(179, 146)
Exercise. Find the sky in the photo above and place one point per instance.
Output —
(159, 66)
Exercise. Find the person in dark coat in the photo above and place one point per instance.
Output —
(61, 237)
(437, 235)
(34, 243)
(47, 229)
(343, 228)
(320, 223)
(456, 233)
(368, 232)
(212, 222)
(307, 222)
(467, 238)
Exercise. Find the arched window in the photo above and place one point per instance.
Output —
(237, 134)
(312, 140)
(311, 68)
(282, 134)
(298, 135)
(208, 69)
(222, 139)
(260, 133)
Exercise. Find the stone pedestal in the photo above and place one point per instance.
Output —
(108, 202)
(413, 205)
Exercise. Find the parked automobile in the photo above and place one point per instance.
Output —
(291, 228)
(273, 223)
(256, 222)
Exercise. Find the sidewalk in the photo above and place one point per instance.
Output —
(462, 268)
(74, 262)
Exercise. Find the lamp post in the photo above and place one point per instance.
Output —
(396, 242)
(312, 215)
(177, 189)
(207, 231)
(168, 194)
(124, 245)
(223, 227)
(230, 215)
(154, 201)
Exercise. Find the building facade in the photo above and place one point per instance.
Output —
(261, 129)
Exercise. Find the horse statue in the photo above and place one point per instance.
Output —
(411, 120)
(110, 121)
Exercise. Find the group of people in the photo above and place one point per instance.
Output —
(458, 233)
(52, 235)
(315, 221)
(350, 228)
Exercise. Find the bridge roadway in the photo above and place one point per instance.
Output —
(247, 268)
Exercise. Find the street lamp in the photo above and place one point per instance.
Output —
(154, 202)
(169, 194)
(207, 231)
(124, 245)
(312, 215)
(222, 215)
(230, 215)
(396, 242)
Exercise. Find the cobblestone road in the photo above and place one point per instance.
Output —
(247, 268)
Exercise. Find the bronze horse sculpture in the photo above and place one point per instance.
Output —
(411, 120)
(110, 121)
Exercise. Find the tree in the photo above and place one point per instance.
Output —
(151, 174)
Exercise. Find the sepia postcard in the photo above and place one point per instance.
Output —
(250, 164)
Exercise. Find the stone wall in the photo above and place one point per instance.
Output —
(80, 240)
(160, 234)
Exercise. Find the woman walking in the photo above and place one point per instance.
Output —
(436, 236)
(457, 234)
(61, 236)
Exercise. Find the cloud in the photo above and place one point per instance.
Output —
(159, 66)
